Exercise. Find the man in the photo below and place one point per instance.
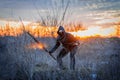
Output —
(69, 43)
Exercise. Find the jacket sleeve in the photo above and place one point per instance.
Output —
(55, 47)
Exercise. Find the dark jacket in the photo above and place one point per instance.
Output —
(67, 40)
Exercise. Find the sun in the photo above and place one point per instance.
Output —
(96, 31)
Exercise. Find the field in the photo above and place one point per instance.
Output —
(97, 58)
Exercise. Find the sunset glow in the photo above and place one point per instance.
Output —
(42, 31)
(96, 31)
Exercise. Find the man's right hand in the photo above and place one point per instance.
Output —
(50, 52)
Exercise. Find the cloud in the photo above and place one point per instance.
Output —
(105, 21)
(82, 10)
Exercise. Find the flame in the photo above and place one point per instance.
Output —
(36, 46)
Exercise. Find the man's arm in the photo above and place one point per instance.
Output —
(55, 47)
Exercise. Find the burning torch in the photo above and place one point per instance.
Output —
(43, 47)
(39, 43)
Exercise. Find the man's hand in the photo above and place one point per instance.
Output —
(50, 52)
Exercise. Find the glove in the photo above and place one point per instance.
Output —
(50, 52)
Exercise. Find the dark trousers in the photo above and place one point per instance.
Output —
(63, 53)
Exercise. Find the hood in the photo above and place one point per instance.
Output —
(61, 28)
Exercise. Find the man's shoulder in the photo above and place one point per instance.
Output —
(69, 34)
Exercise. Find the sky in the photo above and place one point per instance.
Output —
(88, 12)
